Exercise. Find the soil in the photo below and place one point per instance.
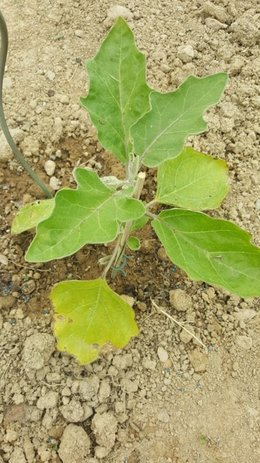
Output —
(164, 398)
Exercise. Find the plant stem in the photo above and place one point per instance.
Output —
(119, 249)
(18, 155)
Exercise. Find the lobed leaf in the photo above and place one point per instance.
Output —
(118, 94)
(30, 215)
(160, 134)
(90, 214)
(90, 316)
(192, 180)
(212, 250)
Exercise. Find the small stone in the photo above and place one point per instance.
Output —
(244, 315)
(245, 342)
(54, 183)
(185, 53)
(216, 11)
(64, 99)
(74, 445)
(6, 302)
(79, 33)
(11, 435)
(162, 254)
(50, 75)
(5, 150)
(104, 390)
(7, 83)
(28, 450)
(115, 11)
(88, 387)
(37, 351)
(28, 286)
(180, 300)
(214, 24)
(101, 452)
(163, 416)
(49, 167)
(122, 362)
(185, 336)
(199, 361)
(129, 299)
(3, 259)
(129, 386)
(49, 400)
(257, 204)
(149, 364)
(104, 427)
(73, 411)
(15, 413)
(17, 456)
(162, 354)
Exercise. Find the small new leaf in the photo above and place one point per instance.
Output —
(192, 180)
(160, 134)
(133, 243)
(89, 317)
(118, 94)
(211, 250)
(90, 214)
(30, 215)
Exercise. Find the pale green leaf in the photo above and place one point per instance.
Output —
(139, 223)
(212, 250)
(89, 317)
(160, 134)
(192, 180)
(90, 214)
(118, 95)
(133, 243)
(30, 215)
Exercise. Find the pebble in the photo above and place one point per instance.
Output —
(5, 150)
(214, 24)
(7, 83)
(122, 362)
(6, 302)
(17, 456)
(180, 300)
(199, 361)
(49, 167)
(28, 450)
(114, 12)
(88, 387)
(163, 416)
(74, 445)
(49, 400)
(162, 354)
(244, 315)
(104, 390)
(54, 183)
(79, 33)
(149, 364)
(245, 342)
(74, 412)
(185, 53)
(3, 259)
(128, 299)
(216, 11)
(104, 426)
(185, 336)
(101, 452)
(50, 75)
(28, 286)
(37, 351)
(257, 204)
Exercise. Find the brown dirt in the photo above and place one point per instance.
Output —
(165, 411)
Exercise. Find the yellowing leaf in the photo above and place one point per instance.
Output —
(192, 180)
(89, 317)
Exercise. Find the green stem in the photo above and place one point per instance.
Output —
(18, 155)
(119, 249)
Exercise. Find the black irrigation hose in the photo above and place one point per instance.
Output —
(18, 155)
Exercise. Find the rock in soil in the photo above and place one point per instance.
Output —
(74, 445)
(199, 361)
(180, 300)
(104, 427)
(37, 351)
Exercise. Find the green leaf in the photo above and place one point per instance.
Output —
(133, 243)
(161, 133)
(139, 223)
(118, 95)
(90, 316)
(90, 214)
(192, 180)
(31, 214)
(212, 250)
